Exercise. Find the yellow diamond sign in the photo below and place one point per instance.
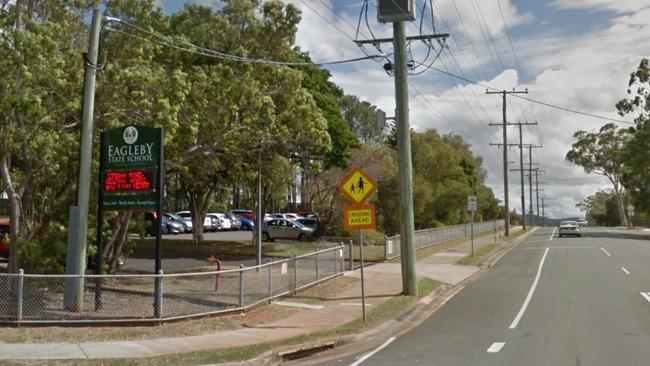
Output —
(357, 186)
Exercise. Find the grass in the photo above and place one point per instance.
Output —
(478, 255)
(382, 312)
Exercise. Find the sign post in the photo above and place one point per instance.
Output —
(357, 186)
(472, 206)
(131, 178)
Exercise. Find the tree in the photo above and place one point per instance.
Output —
(601, 208)
(637, 150)
(362, 119)
(602, 153)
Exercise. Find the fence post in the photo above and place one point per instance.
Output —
(270, 278)
(295, 274)
(351, 255)
(159, 295)
(317, 269)
(241, 285)
(19, 295)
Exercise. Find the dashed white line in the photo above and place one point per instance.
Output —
(552, 234)
(625, 270)
(530, 292)
(495, 347)
(606, 252)
(372, 353)
(646, 296)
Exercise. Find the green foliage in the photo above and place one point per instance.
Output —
(45, 254)
(601, 208)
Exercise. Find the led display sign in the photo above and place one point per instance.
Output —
(135, 180)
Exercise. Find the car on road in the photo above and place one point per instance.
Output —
(4, 238)
(285, 229)
(569, 228)
(583, 222)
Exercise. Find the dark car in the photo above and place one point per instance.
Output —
(246, 223)
(309, 222)
(4, 239)
(169, 225)
(244, 213)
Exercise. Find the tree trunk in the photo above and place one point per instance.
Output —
(621, 206)
(14, 215)
(199, 208)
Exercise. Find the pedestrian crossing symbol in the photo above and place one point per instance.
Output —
(357, 186)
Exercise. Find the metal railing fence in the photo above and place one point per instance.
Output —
(429, 237)
(39, 298)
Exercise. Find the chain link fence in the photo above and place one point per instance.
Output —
(429, 237)
(38, 298)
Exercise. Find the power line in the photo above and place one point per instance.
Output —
(521, 71)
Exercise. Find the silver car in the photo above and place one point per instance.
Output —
(569, 228)
(285, 229)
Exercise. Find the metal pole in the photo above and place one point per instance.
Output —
(260, 217)
(472, 231)
(241, 286)
(363, 284)
(530, 181)
(158, 308)
(295, 274)
(543, 215)
(77, 263)
(317, 271)
(158, 223)
(537, 192)
(19, 295)
(351, 255)
(270, 281)
(521, 170)
(99, 257)
(407, 232)
(505, 167)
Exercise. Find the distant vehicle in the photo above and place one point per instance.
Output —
(286, 216)
(4, 238)
(169, 225)
(187, 225)
(569, 228)
(235, 222)
(244, 213)
(309, 222)
(285, 229)
(187, 217)
(220, 221)
(583, 222)
(246, 223)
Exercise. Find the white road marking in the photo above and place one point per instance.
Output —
(606, 252)
(372, 353)
(646, 296)
(530, 293)
(496, 347)
(625, 270)
(541, 248)
(552, 234)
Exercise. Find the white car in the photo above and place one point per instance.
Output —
(187, 218)
(220, 221)
(286, 216)
(569, 228)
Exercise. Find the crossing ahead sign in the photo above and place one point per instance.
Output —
(359, 217)
(472, 205)
(357, 186)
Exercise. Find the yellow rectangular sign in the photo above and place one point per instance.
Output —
(359, 217)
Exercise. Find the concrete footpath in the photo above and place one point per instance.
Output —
(382, 282)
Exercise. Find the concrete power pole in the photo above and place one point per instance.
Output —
(505, 153)
(77, 236)
(521, 166)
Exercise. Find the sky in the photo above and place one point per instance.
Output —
(575, 54)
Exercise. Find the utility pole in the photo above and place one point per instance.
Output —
(530, 178)
(543, 214)
(260, 213)
(521, 165)
(537, 171)
(505, 153)
(77, 236)
(388, 12)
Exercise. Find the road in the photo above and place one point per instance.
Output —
(549, 301)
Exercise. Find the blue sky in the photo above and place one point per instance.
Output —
(577, 54)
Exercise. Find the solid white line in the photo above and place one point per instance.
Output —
(372, 353)
(625, 270)
(646, 296)
(530, 293)
(496, 347)
(552, 234)
(606, 252)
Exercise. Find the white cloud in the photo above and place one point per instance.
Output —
(621, 6)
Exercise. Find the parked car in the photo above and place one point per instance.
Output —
(186, 228)
(4, 238)
(207, 221)
(569, 228)
(246, 223)
(220, 221)
(186, 220)
(235, 222)
(244, 213)
(309, 222)
(169, 225)
(286, 216)
(285, 229)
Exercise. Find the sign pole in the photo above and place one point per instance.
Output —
(472, 230)
(363, 284)
(99, 256)
(158, 223)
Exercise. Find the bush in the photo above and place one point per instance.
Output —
(45, 254)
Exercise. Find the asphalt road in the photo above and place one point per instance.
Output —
(579, 302)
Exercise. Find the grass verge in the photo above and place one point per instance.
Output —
(478, 255)
(382, 312)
